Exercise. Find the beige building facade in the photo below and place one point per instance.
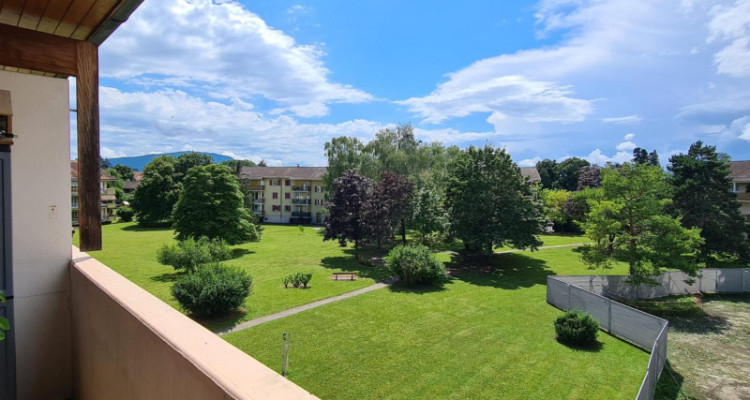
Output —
(740, 176)
(286, 195)
(108, 195)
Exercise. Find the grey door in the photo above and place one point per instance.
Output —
(7, 346)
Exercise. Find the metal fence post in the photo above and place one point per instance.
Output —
(609, 316)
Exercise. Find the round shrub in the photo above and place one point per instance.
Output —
(212, 290)
(576, 328)
(188, 254)
(125, 213)
(415, 264)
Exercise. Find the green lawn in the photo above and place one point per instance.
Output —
(484, 335)
(131, 251)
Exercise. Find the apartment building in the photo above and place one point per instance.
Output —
(740, 176)
(532, 174)
(286, 195)
(108, 197)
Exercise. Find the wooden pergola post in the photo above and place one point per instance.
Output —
(87, 103)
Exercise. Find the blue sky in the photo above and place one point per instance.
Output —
(275, 80)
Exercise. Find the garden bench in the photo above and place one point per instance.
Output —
(351, 276)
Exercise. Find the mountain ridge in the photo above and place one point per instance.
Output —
(138, 162)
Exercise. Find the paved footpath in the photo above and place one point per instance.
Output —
(308, 306)
(542, 248)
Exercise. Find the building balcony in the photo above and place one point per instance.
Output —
(259, 200)
(256, 188)
(114, 319)
(303, 188)
(301, 201)
(108, 197)
(743, 196)
(301, 214)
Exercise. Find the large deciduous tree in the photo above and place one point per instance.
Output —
(702, 197)
(490, 202)
(428, 216)
(157, 193)
(184, 162)
(211, 205)
(345, 209)
(629, 222)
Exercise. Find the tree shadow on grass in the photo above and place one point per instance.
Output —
(400, 287)
(594, 347)
(149, 228)
(168, 276)
(350, 264)
(220, 323)
(699, 324)
(237, 253)
(504, 271)
(669, 386)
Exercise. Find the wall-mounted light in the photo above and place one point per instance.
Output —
(6, 119)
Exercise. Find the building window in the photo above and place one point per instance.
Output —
(276, 208)
(287, 182)
(287, 195)
(275, 195)
(317, 189)
(287, 208)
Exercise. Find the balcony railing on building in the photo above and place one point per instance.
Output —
(303, 188)
(743, 196)
(256, 187)
(301, 214)
(259, 200)
(301, 201)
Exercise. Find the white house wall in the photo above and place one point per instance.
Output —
(40, 165)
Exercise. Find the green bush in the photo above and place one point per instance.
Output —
(415, 264)
(212, 290)
(297, 279)
(576, 328)
(189, 254)
(125, 213)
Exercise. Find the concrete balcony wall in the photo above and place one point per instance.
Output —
(127, 344)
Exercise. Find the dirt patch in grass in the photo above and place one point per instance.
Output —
(709, 349)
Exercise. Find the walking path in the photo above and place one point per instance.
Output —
(305, 307)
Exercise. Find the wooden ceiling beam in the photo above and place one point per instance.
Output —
(26, 48)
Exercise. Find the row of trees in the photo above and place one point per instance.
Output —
(197, 197)
(480, 197)
(652, 219)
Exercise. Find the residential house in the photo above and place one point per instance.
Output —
(286, 195)
(740, 176)
(78, 329)
(108, 196)
(128, 187)
(532, 174)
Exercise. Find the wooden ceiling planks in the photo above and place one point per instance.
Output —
(10, 12)
(32, 13)
(73, 17)
(52, 16)
(98, 12)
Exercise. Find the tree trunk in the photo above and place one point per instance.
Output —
(403, 230)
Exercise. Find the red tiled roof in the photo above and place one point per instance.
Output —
(74, 173)
(300, 173)
(739, 171)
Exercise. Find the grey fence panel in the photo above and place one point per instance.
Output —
(593, 304)
(557, 293)
(746, 280)
(635, 326)
(708, 280)
(678, 284)
(729, 280)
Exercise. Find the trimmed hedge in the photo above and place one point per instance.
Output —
(125, 213)
(212, 290)
(415, 264)
(189, 254)
(576, 328)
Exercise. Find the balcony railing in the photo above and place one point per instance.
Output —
(259, 200)
(113, 319)
(743, 196)
(303, 188)
(301, 214)
(301, 201)
(256, 187)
